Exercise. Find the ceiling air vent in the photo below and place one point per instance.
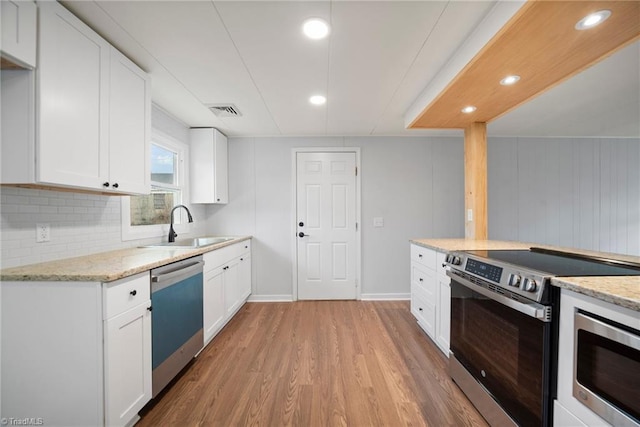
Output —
(224, 110)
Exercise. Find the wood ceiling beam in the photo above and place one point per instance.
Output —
(541, 45)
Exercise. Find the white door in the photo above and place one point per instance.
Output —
(326, 225)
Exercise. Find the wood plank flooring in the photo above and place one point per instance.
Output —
(320, 363)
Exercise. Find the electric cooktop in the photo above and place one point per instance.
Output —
(558, 263)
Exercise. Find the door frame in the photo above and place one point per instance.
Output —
(294, 205)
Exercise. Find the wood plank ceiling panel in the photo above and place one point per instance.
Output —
(541, 45)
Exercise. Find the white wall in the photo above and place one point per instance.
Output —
(415, 184)
(582, 193)
(81, 224)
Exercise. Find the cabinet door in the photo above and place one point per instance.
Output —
(73, 101)
(213, 302)
(232, 287)
(209, 181)
(245, 276)
(127, 364)
(221, 179)
(19, 33)
(129, 126)
(444, 314)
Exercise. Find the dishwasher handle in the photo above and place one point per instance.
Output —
(168, 278)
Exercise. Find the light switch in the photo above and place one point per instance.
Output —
(378, 221)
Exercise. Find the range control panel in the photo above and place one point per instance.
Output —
(515, 279)
(488, 271)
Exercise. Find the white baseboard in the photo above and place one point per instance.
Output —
(270, 298)
(385, 297)
(363, 297)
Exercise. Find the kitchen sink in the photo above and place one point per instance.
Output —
(195, 242)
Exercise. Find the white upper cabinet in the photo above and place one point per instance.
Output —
(72, 140)
(92, 113)
(129, 126)
(19, 20)
(209, 179)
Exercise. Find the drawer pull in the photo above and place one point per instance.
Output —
(150, 308)
(419, 255)
(421, 279)
(134, 293)
(420, 309)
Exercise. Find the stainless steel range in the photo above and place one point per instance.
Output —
(504, 328)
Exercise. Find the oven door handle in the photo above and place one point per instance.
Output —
(531, 309)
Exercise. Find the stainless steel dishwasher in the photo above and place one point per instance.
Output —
(176, 298)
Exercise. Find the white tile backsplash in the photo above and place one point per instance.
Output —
(81, 224)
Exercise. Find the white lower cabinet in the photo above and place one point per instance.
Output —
(127, 364)
(213, 300)
(227, 285)
(76, 353)
(431, 295)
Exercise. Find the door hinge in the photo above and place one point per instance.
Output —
(356, 226)
(356, 171)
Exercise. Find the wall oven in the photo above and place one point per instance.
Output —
(504, 329)
(606, 363)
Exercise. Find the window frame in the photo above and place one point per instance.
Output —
(131, 232)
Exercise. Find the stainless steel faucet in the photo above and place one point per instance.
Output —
(172, 233)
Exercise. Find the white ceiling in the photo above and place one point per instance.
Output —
(379, 57)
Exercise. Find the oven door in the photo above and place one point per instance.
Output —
(606, 374)
(505, 345)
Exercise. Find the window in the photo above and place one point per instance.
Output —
(149, 215)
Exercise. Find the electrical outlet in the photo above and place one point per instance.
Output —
(43, 233)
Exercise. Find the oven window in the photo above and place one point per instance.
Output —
(504, 350)
(610, 370)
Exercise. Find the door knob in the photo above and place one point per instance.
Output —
(301, 234)
(301, 224)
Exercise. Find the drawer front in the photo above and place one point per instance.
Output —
(424, 312)
(424, 256)
(424, 279)
(218, 257)
(122, 295)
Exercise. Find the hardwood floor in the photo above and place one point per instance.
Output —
(320, 363)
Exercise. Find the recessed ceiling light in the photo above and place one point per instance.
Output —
(317, 100)
(509, 80)
(315, 28)
(593, 19)
(468, 109)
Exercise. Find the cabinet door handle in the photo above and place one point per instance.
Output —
(421, 279)
(241, 259)
(419, 255)
(150, 308)
(420, 309)
(115, 185)
(133, 293)
(105, 184)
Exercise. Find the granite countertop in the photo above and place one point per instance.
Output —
(106, 266)
(620, 290)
